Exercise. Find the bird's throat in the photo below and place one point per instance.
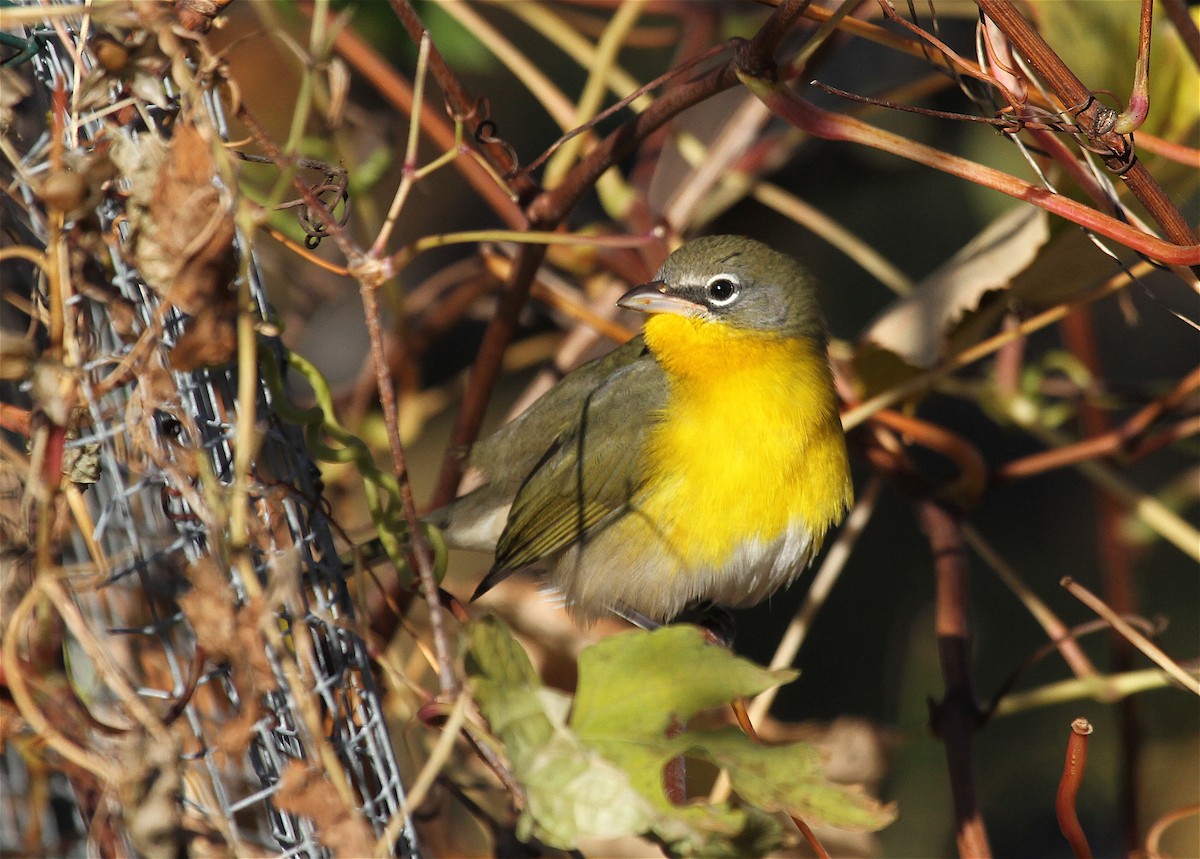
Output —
(750, 443)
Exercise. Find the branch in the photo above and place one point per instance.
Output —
(1095, 120)
(1130, 438)
(392, 86)
(956, 716)
(830, 126)
(460, 100)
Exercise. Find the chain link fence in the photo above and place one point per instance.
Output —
(225, 689)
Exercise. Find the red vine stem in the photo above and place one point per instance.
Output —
(1123, 439)
(830, 126)
(1092, 119)
(1068, 788)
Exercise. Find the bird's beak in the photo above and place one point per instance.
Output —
(654, 297)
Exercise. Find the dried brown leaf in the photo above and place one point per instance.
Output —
(210, 338)
(185, 249)
(209, 608)
(150, 792)
(13, 88)
(915, 326)
(230, 635)
(304, 791)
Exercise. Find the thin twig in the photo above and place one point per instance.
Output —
(1059, 633)
(393, 88)
(494, 151)
(1145, 645)
(1105, 688)
(1122, 439)
(422, 555)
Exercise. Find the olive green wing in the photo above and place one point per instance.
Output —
(588, 476)
(509, 455)
(512, 452)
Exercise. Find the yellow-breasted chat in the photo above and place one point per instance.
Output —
(703, 461)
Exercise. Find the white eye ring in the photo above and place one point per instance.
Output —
(723, 289)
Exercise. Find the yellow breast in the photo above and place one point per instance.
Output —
(749, 446)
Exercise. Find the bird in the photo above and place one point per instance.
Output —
(702, 462)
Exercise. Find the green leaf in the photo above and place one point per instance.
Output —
(788, 778)
(602, 774)
(635, 684)
(571, 792)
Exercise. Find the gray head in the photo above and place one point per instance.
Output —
(735, 281)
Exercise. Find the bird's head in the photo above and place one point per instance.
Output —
(734, 281)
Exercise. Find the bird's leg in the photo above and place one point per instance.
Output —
(716, 621)
(636, 618)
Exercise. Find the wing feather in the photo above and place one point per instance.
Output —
(588, 477)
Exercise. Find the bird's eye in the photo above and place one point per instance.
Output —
(722, 290)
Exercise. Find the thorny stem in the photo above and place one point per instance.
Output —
(1068, 788)
(956, 716)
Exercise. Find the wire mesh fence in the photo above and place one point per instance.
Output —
(217, 689)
